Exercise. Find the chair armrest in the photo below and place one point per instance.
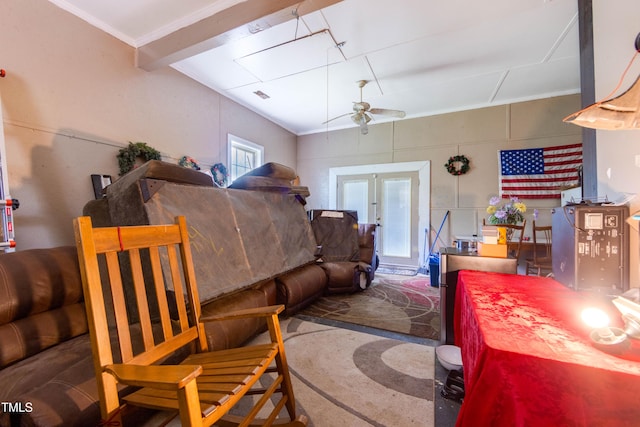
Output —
(166, 377)
(271, 310)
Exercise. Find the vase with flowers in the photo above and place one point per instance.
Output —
(511, 212)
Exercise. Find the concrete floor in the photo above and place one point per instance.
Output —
(446, 410)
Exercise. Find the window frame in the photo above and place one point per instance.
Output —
(235, 142)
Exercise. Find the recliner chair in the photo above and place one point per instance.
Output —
(348, 250)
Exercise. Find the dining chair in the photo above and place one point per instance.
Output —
(515, 234)
(541, 261)
(133, 341)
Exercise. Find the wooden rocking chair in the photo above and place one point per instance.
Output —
(205, 386)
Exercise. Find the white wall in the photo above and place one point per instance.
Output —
(616, 26)
(72, 98)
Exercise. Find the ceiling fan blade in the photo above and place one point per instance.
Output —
(385, 112)
(337, 117)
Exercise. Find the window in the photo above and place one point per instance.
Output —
(244, 156)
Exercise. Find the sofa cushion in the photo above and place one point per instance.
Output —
(273, 170)
(345, 276)
(60, 385)
(301, 287)
(38, 280)
(234, 333)
(58, 382)
(29, 336)
(40, 301)
(268, 177)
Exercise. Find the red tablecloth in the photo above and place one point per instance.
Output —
(528, 360)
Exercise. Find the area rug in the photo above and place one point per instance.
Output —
(406, 305)
(343, 377)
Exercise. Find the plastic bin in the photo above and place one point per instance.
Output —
(434, 270)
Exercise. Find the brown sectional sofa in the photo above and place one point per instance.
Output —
(46, 369)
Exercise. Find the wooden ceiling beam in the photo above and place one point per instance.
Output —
(228, 25)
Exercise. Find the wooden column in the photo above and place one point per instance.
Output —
(587, 90)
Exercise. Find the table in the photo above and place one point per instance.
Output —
(452, 261)
(528, 360)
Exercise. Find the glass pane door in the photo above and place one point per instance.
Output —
(389, 200)
(396, 217)
(357, 193)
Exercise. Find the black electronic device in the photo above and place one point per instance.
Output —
(590, 248)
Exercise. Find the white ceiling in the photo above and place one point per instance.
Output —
(422, 56)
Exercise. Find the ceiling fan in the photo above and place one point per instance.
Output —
(362, 111)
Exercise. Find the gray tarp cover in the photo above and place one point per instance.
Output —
(238, 237)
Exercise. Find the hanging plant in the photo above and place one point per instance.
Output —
(127, 156)
(219, 172)
(457, 165)
(189, 162)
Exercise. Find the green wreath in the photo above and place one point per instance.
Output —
(452, 168)
(127, 156)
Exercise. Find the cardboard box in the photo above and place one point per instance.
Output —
(489, 234)
(490, 240)
(494, 251)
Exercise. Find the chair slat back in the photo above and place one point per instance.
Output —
(541, 238)
(141, 263)
(515, 236)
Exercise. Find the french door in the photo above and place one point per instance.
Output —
(389, 200)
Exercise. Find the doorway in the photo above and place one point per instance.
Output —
(395, 197)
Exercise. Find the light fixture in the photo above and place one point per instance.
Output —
(609, 339)
(628, 305)
(361, 119)
(619, 113)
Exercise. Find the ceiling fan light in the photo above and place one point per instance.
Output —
(360, 110)
(362, 120)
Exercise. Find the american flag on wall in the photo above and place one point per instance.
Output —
(539, 173)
